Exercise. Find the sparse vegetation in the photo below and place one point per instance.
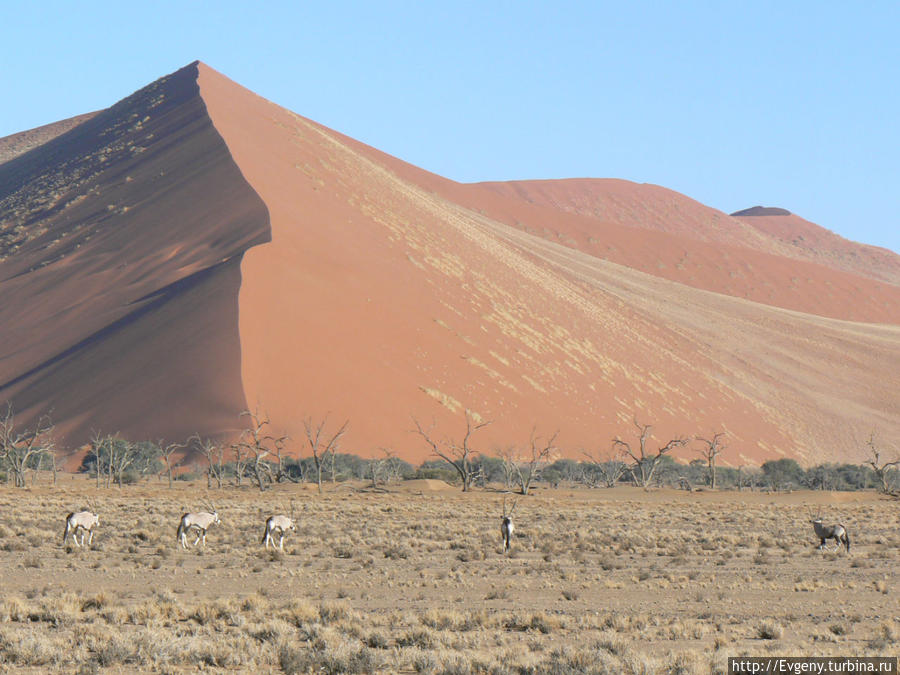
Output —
(385, 582)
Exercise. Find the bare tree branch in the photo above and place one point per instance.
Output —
(713, 447)
(883, 470)
(167, 451)
(609, 468)
(21, 450)
(256, 441)
(459, 456)
(320, 444)
(645, 462)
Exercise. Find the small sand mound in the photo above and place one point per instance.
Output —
(424, 485)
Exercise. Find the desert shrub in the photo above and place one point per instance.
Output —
(331, 612)
(395, 552)
(783, 473)
(769, 630)
(377, 641)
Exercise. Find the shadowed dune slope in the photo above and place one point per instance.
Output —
(380, 299)
(196, 250)
(120, 249)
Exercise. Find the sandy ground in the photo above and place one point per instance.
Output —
(414, 578)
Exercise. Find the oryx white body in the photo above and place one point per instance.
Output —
(83, 521)
(506, 526)
(200, 522)
(837, 532)
(279, 525)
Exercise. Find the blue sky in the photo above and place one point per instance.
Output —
(791, 104)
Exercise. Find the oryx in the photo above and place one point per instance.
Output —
(200, 521)
(83, 521)
(824, 532)
(506, 525)
(279, 524)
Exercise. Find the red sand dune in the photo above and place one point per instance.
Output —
(196, 250)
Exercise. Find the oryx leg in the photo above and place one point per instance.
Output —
(90, 537)
(281, 541)
(199, 535)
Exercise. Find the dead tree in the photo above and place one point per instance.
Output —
(281, 474)
(214, 454)
(166, 451)
(241, 456)
(103, 449)
(610, 469)
(383, 470)
(712, 449)
(528, 468)
(459, 456)
(122, 456)
(508, 458)
(259, 443)
(112, 455)
(884, 471)
(21, 450)
(320, 444)
(645, 461)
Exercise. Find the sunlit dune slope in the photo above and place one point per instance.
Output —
(645, 206)
(395, 302)
(196, 250)
(800, 238)
(666, 234)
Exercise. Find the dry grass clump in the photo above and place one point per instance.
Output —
(769, 630)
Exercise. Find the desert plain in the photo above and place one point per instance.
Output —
(413, 579)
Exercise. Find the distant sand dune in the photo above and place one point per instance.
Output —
(196, 250)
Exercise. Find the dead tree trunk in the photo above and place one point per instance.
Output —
(459, 456)
(259, 443)
(882, 469)
(321, 445)
(645, 461)
(712, 449)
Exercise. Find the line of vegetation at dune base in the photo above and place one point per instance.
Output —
(259, 458)
(382, 578)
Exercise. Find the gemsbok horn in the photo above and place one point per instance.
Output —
(824, 532)
(200, 521)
